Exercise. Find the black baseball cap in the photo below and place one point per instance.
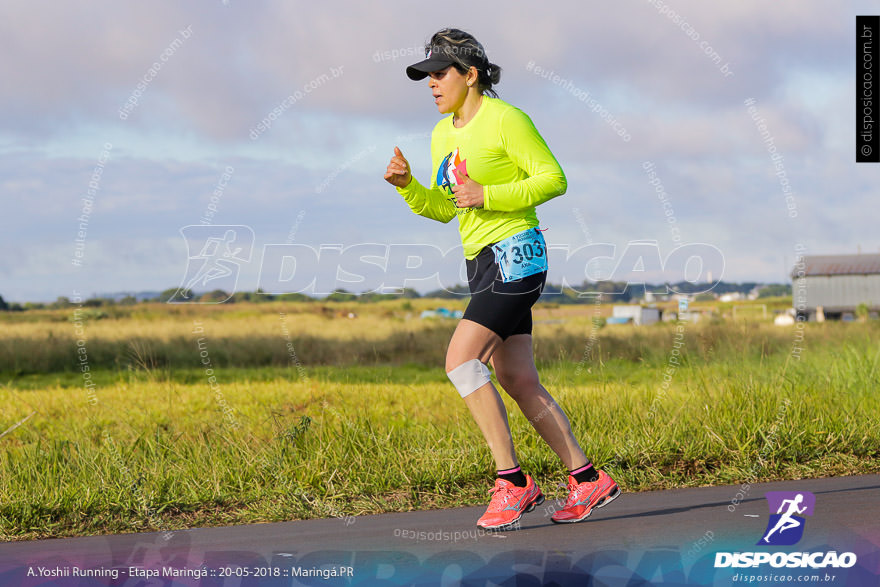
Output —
(437, 58)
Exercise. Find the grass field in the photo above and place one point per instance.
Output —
(211, 415)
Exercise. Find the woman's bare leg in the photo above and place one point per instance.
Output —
(514, 365)
(474, 341)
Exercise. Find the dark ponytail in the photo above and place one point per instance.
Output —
(493, 74)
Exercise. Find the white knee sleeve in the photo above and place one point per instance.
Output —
(469, 377)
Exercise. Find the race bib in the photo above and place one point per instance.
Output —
(521, 255)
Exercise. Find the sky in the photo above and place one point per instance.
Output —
(724, 128)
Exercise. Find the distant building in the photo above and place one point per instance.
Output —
(637, 314)
(835, 285)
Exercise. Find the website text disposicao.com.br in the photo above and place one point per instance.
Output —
(783, 579)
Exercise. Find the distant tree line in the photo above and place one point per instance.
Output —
(615, 291)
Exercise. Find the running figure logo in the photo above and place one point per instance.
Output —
(220, 250)
(787, 508)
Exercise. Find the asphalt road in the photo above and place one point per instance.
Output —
(662, 538)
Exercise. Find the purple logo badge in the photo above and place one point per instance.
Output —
(787, 508)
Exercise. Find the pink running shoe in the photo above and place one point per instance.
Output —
(509, 503)
(583, 497)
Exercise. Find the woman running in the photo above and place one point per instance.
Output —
(490, 169)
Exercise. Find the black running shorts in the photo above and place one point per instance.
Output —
(503, 308)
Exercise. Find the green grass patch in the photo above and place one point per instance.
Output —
(161, 449)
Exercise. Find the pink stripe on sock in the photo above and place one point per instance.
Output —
(584, 468)
(509, 471)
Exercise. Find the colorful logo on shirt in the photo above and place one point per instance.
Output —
(451, 171)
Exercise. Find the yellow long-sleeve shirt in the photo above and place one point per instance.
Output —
(502, 150)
